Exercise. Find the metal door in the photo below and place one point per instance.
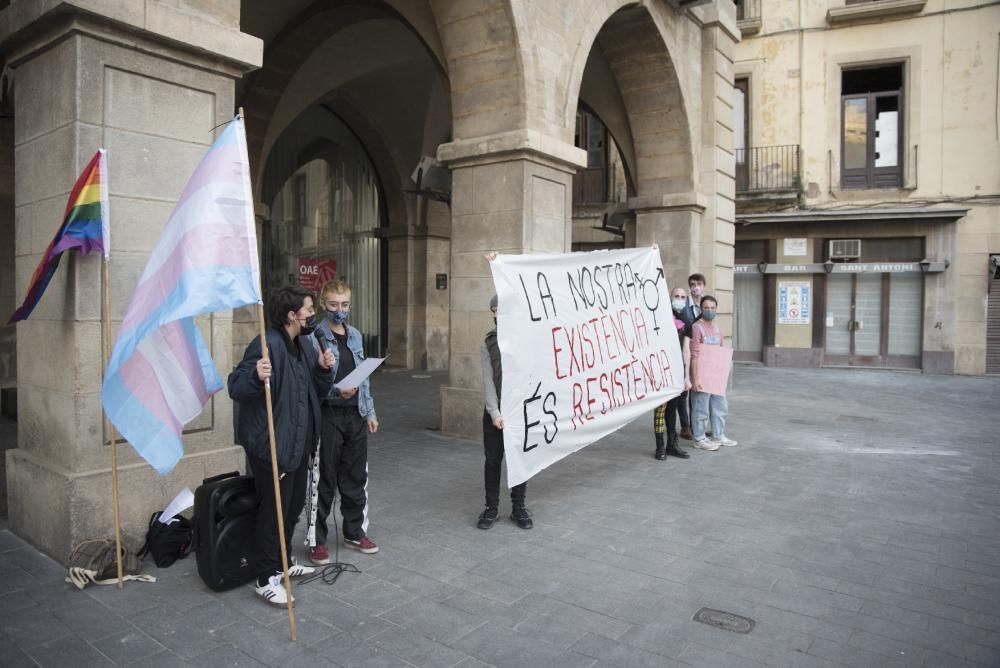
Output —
(874, 320)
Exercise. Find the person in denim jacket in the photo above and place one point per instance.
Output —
(348, 418)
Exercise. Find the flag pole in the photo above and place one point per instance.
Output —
(274, 451)
(274, 473)
(111, 426)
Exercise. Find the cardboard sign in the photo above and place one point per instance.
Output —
(587, 344)
(713, 366)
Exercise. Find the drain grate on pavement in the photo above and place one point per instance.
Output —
(724, 620)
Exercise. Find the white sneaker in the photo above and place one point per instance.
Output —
(273, 592)
(705, 444)
(725, 441)
(297, 570)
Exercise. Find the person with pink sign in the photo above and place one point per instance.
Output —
(705, 376)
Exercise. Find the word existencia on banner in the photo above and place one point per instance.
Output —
(625, 306)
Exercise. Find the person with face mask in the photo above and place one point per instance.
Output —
(299, 376)
(665, 416)
(707, 406)
(348, 418)
(696, 285)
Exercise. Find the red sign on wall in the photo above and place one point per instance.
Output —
(315, 271)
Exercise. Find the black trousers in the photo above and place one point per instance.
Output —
(343, 465)
(267, 548)
(493, 445)
(682, 410)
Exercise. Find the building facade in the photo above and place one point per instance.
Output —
(868, 183)
(392, 143)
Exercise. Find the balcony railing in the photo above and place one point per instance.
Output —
(762, 169)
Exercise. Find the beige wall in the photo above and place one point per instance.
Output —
(951, 145)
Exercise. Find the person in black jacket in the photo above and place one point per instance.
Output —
(299, 376)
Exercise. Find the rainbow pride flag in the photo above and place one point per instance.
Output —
(85, 227)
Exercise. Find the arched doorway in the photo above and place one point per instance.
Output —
(353, 96)
(326, 211)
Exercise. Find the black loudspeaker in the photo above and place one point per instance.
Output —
(225, 516)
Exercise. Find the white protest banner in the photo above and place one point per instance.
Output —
(587, 344)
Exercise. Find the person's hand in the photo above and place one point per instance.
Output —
(263, 369)
(687, 385)
(372, 425)
(327, 360)
(498, 422)
(656, 246)
(347, 392)
(698, 387)
(489, 257)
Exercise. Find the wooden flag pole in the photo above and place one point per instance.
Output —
(274, 471)
(111, 427)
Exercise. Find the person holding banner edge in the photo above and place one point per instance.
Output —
(299, 376)
(665, 415)
(493, 425)
(707, 406)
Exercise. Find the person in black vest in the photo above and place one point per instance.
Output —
(493, 436)
(298, 376)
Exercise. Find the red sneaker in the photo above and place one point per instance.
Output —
(319, 555)
(363, 545)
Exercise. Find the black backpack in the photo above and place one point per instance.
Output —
(168, 542)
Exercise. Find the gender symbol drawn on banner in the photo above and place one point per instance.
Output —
(651, 284)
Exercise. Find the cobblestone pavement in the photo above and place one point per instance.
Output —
(857, 523)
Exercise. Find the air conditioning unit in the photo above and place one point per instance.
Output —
(845, 249)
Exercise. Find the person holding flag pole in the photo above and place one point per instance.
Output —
(161, 374)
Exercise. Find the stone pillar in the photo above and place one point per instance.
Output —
(512, 194)
(418, 308)
(674, 223)
(148, 81)
(717, 230)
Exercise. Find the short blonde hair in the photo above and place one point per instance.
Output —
(337, 286)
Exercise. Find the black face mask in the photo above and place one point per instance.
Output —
(310, 325)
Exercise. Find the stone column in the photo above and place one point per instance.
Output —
(511, 193)
(717, 231)
(674, 223)
(148, 81)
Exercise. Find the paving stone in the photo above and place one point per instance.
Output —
(128, 646)
(501, 647)
(68, 651)
(32, 626)
(615, 653)
(433, 620)
(416, 649)
(226, 655)
(349, 651)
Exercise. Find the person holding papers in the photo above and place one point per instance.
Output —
(298, 376)
(348, 418)
(706, 333)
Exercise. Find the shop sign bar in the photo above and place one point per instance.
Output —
(842, 268)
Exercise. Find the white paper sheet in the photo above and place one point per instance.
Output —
(362, 371)
(181, 502)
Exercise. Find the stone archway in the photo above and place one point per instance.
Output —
(379, 67)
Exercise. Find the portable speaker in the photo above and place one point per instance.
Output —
(225, 516)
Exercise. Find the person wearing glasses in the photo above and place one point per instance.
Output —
(348, 418)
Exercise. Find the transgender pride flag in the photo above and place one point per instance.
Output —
(161, 373)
